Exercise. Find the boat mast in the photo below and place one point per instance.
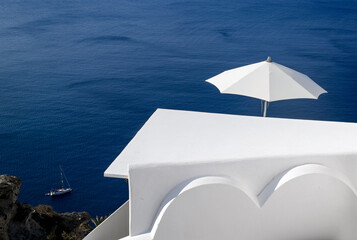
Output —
(62, 174)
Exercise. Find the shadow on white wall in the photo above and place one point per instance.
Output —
(307, 202)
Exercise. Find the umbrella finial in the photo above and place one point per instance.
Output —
(269, 59)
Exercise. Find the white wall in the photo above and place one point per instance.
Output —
(259, 199)
(114, 227)
(311, 207)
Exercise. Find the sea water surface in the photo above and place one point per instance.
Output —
(78, 79)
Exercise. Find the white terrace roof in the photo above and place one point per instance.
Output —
(172, 136)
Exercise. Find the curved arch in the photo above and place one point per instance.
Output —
(297, 172)
(195, 183)
(214, 197)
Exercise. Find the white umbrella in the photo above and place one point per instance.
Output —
(268, 81)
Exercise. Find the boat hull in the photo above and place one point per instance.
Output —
(60, 191)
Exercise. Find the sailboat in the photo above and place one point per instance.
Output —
(62, 190)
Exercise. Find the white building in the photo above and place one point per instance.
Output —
(204, 176)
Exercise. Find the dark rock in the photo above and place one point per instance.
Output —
(9, 190)
(22, 221)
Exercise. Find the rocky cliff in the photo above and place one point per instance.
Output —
(20, 221)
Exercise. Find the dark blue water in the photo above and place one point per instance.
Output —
(79, 78)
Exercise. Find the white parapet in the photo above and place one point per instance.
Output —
(262, 199)
(307, 202)
(200, 176)
(114, 227)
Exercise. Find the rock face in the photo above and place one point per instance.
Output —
(20, 221)
(9, 189)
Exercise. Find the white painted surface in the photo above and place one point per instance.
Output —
(114, 227)
(213, 176)
(151, 186)
(171, 136)
(313, 206)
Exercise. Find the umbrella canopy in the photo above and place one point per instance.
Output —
(268, 81)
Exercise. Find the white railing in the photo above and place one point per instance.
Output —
(114, 227)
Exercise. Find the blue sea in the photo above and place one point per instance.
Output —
(78, 79)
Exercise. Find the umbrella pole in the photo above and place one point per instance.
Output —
(265, 108)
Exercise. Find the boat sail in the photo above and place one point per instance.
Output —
(62, 190)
